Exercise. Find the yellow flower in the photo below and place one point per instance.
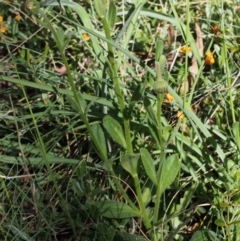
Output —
(185, 49)
(209, 60)
(169, 97)
(180, 114)
(17, 17)
(3, 29)
(216, 30)
(1, 19)
(86, 36)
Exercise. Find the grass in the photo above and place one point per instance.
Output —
(119, 120)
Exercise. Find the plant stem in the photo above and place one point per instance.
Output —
(117, 88)
(73, 88)
(145, 218)
(162, 155)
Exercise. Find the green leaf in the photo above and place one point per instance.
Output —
(20, 234)
(148, 192)
(131, 163)
(212, 236)
(101, 7)
(148, 164)
(37, 160)
(101, 142)
(137, 95)
(170, 169)
(154, 131)
(82, 102)
(114, 129)
(235, 130)
(128, 29)
(82, 169)
(148, 106)
(74, 104)
(113, 209)
(61, 36)
(235, 222)
(101, 232)
(49, 88)
(182, 205)
(15, 29)
(200, 236)
(166, 133)
(220, 222)
(224, 205)
(112, 14)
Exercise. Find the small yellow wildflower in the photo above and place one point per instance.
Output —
(185, 49)
(3, 29)
(1, 19)
(169, 97)
(86, 36)
(17, 17)
(209, 60)
(180, 114)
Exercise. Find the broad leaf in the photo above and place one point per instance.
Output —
(148, 164)
(100, 7)
(82, 102)
(169, 171)
(75, 105)
(148, 106)
(72, 103)
(220, 222)
(131, 163)
(200, 236)
(113, 209)
(112, 14)
(154, 131)
(235, 129)
(184, 201)
(148, 192)
(114, 129)
(100, 144)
